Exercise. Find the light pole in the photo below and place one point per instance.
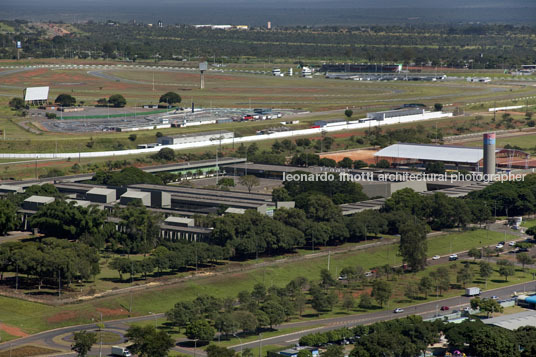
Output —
(239, 339)
(100, 335)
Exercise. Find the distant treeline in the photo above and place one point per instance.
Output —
(476, 46)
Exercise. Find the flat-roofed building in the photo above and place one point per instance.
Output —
(179, 221)
(195, 137)
(101, 195)
(33, 203)
(131, 195)
(11, 189)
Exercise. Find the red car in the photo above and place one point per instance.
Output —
(444, 308)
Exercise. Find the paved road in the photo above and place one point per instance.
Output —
(428, 309)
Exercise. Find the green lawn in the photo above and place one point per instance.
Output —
(32, 317)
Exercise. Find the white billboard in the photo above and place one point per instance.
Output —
(203, 66)
(36, 93)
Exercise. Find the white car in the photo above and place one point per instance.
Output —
(512, 243)
(436, 257)
(453, 257)
(499, 246)
(398, 310)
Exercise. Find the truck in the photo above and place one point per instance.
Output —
(474, 291)
(120, 351)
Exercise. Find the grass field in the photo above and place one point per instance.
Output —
(527, 142)
(228, 89)
(32, 317)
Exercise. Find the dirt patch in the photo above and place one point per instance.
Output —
(12, 330)
(28, 351)
(366, 155)
(112, 312)
(62, 316)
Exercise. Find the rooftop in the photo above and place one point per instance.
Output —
(514, 321)
(40, 199)
(100, 191)
(433, 153)
(214, 132)
(135, 194)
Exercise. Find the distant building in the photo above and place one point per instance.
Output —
(160, 23)
(269, 25)
(195, 137)
(360, 68)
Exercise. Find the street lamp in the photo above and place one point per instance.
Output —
(239, 339)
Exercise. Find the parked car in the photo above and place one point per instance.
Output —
(499, 246)
(512, 243)
(343, 277)
(368, 274)
(436, 257)
(453, 257)
(444, 308)
(398, 310)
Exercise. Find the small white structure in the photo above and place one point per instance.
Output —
(36, 94)
(235, 210)
(179, 221)
(195, 137)
(307, 72)
(277, 72)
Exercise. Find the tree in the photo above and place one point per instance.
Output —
(8, 216)
(226, 182)
(165, 154)
(249, 181)
(17, 103)
(411, 290)
(305, 353)
(275, 313)
(132, 137)
(217, 351)
(491, 342)
(506, 268)
(383, 164)
(200, 330)
(413, 246)
(381, 291)
(183, 313)
(486, 270)
(465, 275)
(348, 113)
(425, 285)
(348, 302)
(438, 107)
(333, 351)
(524, 259)
(170, 98)
(65, 100)
(149, 342)
(346, 163)
(83, 341)
(365, 301)
(117, 100)
(102, 102)
(441, 279)
(475, 253)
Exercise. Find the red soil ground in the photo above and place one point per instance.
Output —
(366, 155)
(13, 331)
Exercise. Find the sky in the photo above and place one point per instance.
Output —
(283, 12)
